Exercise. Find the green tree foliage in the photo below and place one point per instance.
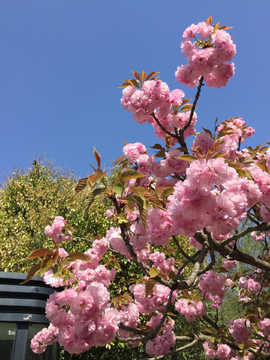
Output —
(29, 200)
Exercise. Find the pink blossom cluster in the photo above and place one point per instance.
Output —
(115, 239)
(234, 131)
(129, 317)
(133, 151)
(155, 97)
(174, 121)
(88, 322)
(265, 213)
(265, 325)
(160, 262)
(238, 330)
(262, 180)
(211, 196)
(213, 288)
(81, 313)
(157, 301)
(147, 165)
(258, 236)
(249, 284)
(229, 264)
(238, 130)
(49, 277)
(190, 309)
(153, 94)
(87, 272)
(157, 231)
(55, 231)
(45, 337)
(207, 57)
(164, 340)
(221, 351)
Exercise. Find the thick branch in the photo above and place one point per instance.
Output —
(232, 253)
(185, 284)
(261, 227)
(134, 330)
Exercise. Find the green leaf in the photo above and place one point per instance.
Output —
(118, 189)
(138, 190)
(77, 256)
(167, 192)
(91, 197)
(218, 155)
(134, 83)
(207, 131)
(262, 166)
(186, 157)
(154, 272)
(131, 174)
(208, 330)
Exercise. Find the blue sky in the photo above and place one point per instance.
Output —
(63, 61)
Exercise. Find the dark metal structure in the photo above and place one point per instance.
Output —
(22, 315)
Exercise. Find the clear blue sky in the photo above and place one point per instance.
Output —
(62, 62)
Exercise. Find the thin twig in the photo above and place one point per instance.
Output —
(163, 128)
(181, 131)
(182, 252)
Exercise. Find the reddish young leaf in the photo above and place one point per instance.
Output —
(80, 186)
(33, 272)
(143, 75)
(92, 179)
(149, 286)
(97, 156)
(39, 253)
(77, 256)
(137, 76)
(151, 74)
(209, 20)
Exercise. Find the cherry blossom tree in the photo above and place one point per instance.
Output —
(213, 194)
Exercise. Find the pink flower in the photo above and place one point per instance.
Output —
(56, 230)
(115, 239)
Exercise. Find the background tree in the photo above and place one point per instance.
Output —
(29, 200)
